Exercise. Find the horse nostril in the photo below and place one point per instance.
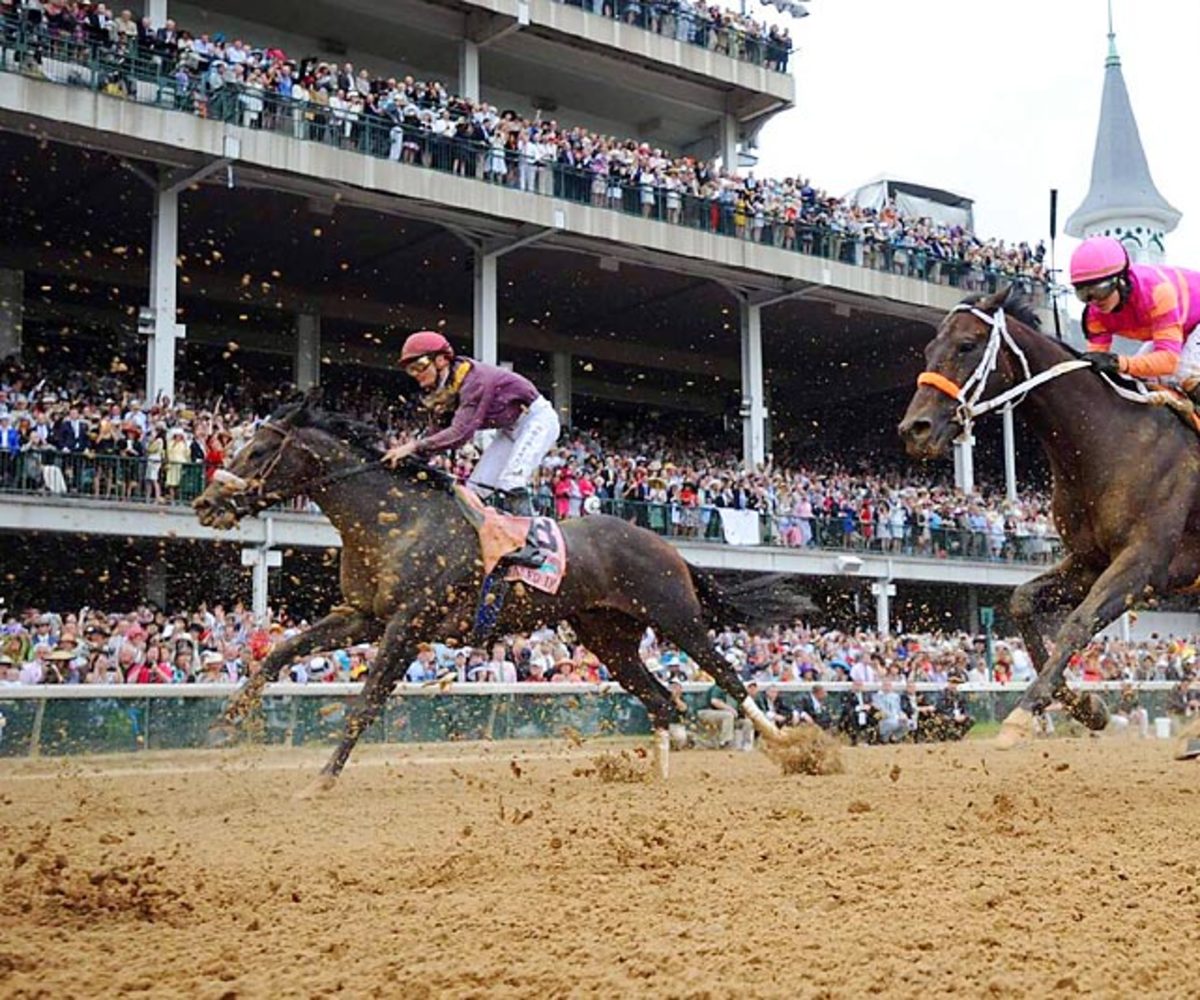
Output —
(917, 430)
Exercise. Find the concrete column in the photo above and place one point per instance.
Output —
(164, 251)
(468, 69)
(884, 591)
(306, 364)
(754, 411)
(262, 559)
(964, 463)
(486, 346)
(562, 386)
(973, 623)
(154, 585)
(156, 10)
(728, 140)
(12, 312)
(1010, 454)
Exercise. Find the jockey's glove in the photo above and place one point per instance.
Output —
(1105, 362)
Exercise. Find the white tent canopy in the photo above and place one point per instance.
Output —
(915, 201)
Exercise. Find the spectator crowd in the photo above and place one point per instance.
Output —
(421, 122)
(902, 687)
(86, 433)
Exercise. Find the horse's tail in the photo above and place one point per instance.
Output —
(755, 601)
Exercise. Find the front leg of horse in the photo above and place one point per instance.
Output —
(344, 626)
(1065, 586)
(389, 662)
(1125, 579)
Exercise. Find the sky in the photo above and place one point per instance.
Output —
(998, 101)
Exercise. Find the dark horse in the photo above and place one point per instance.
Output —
(1126, 487)
(411, 571)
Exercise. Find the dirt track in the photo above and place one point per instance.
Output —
(483, 870)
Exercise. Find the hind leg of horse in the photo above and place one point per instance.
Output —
(341, 627)
(692, 637)
(616, 639)
(1125, 579)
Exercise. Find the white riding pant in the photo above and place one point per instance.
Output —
(1189, 359)
(510, 458)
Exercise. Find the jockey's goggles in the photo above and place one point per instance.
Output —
(1098, 291)
(414, 368)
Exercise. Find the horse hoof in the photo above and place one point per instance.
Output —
(1188, 748)
(220, 734)
(1091, 711)
(1016, 730)
(318, 788)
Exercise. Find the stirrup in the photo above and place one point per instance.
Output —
(527, 555)
(519, 502)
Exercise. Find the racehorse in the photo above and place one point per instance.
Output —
(1126, 476)
(411, 571)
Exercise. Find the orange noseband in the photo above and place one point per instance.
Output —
(938, 381)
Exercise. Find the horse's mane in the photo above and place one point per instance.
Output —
(364, 438)
(1017, 305)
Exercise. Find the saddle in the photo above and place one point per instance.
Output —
(1180, 402)
(502, 536)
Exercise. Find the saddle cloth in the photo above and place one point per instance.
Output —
(500, 534)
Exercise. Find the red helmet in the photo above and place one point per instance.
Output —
(424, 342)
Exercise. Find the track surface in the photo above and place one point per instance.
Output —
(513, 869)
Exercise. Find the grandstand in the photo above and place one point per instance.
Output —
(556, 195)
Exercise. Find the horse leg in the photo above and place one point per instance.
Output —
(341, 627)
(380, 681)
(692, 637)
(1064, 586)
(1127, 576)
(616, 639)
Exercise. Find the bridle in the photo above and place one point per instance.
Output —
(967, 395)
(254, 486)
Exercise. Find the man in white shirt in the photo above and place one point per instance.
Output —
(503, 669)
(892, 723)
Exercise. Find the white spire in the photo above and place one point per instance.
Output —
(1122, 200)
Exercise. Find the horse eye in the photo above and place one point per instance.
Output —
(966, 347)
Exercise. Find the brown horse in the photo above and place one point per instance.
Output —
(411, 571)
(1126, 484)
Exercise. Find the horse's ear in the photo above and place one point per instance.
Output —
(997, 300)
(310, 402)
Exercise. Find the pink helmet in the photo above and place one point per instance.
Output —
(423, 342)
(1097, 258)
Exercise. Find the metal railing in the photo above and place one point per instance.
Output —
(694, 28)
(137, 479)
(127, 478)
(85, 719)
(156, 79)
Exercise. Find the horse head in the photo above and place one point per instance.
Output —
(964, 353)
(282, 458)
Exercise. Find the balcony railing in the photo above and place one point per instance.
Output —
(134, 479)
(717, 34)
(155, 79)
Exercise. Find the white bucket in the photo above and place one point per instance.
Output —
(1162, 727)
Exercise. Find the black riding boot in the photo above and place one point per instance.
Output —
(520, 502)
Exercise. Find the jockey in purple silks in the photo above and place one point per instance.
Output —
(475, 397)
